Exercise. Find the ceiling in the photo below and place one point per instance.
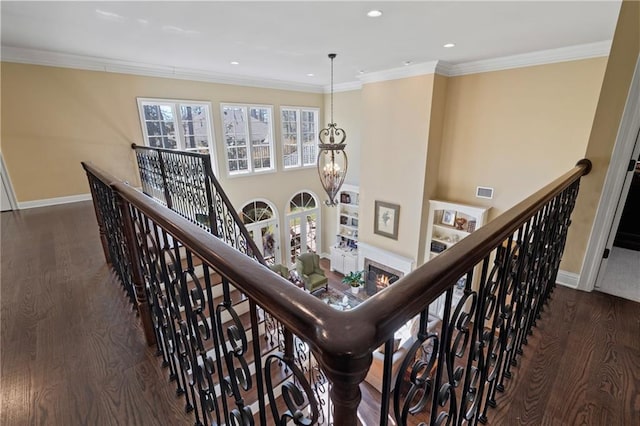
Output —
(287, 41)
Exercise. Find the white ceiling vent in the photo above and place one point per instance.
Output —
(484, 192)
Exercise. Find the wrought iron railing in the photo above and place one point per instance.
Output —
(184, 182)
(234, 367)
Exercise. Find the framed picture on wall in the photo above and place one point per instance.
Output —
(387, 217)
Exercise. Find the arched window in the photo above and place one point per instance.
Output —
(303, 221)
(261, 220)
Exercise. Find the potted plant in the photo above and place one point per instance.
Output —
(355, 280)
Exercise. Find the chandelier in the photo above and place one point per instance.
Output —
(332, 160)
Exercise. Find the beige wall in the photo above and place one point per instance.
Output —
(516, 130)
(615, 88)
(53, 118)
(393, 159)
(434, 151)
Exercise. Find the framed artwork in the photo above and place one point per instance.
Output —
(386, 220)
(449, 217)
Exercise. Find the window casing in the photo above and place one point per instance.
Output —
(299, 136)
(248, 134)
(303, 222)
(181, 125)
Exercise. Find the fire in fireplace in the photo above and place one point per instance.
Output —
(382, 277)
(379, 276)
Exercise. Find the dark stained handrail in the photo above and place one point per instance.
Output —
(344, 340)
(428, 281)
(370, 323)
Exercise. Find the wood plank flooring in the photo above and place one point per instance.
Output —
(72, 350)
(581, 366)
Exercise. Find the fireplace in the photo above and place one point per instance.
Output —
(378, 276)
(382, 268)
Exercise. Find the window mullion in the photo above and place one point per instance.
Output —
(177, 113)
(248, 139)
(299, 133)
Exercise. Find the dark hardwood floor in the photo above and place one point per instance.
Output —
(580, 367)
(73, 352)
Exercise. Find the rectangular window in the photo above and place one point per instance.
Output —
(247, 131)
(299, 136)
(171, 124)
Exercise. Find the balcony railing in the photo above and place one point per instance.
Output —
(245, 346)
(184, 182)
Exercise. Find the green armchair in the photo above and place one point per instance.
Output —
(308, 268)
(280, 269)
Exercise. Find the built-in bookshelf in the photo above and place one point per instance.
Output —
(344, 253)
(451, 222)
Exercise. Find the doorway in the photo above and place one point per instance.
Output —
(261, 220)
(619, 272)
(7, 199)
(303, 221)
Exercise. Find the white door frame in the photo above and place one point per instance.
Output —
(8, 186)
(613, 185)
(618, 213)
(303, 228)
(256, 226)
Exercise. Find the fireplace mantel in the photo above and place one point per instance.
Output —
(385, 257)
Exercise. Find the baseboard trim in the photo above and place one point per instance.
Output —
(53, 201)
(568, 279)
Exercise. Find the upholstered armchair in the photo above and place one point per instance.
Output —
(308, 268)
(280, 269)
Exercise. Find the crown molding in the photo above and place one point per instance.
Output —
(90, 63)
(541, 57)
(398, 73)
(343, 87)
(65, 60)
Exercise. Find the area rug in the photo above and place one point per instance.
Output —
(337, 299)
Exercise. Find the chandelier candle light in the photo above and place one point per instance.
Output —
(332, 160)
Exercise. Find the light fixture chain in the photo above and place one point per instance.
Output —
(332, 88)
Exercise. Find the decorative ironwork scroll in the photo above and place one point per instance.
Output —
(220, 328)
(184, 182)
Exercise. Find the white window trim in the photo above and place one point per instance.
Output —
(275, 218)
(300, 109)
(272, 157)
(180, 137)
(302, 214)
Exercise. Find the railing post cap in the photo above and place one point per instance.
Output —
(587, 163)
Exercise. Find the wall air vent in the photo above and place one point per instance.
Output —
(484, 192)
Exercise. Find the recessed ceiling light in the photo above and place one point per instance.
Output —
(374, 13)
(449, 45)
(235, 63)
(407, 63)
(361, 72)
(310, 74)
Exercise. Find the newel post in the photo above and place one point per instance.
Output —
(133, 254)
(345, 373)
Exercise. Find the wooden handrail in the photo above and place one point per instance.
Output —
(394, 306)
(344, 340)
(135, 146)
(369, 324)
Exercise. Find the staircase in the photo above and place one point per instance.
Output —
(219, 347)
